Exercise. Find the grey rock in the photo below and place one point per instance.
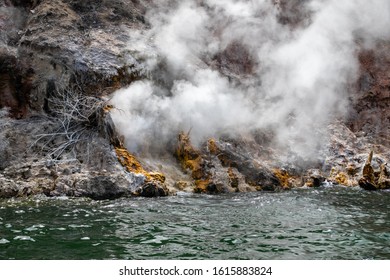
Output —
(153, 189)
(101, 187)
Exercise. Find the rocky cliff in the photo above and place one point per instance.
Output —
(61, 60)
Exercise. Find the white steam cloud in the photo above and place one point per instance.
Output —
(230, 66)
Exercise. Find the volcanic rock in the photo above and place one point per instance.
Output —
(74, 54)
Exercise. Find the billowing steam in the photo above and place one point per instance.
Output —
(231, 66)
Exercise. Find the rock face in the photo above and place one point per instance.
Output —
(54, 56)
(219, 168)
(153, 183)
(372, 180)
(371, 117)
(59, 61)
(49, 44)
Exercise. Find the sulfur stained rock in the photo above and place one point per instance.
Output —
(222, 167)
(212, 146)
(341, 178)
(368, 170)
(180, 185)
(128, 161)
(384, 177)
(209, 187)
(209, 174)
(313, 178)
(191, 159)
(154, 181)
(288, 181)
(352, 169)
(132, 164)
(233, 179)
(368, 181)
(374, 180)
(256, 174)
(157, 176)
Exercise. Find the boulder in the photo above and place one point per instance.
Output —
(8, 188)
(313, 178)
(101, 187)
(152, 189)
(384, 177)
(374, 180)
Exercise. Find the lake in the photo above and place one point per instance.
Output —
(323, 223)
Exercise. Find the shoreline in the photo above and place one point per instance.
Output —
(62, 62)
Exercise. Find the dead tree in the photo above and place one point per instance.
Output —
(75, 118)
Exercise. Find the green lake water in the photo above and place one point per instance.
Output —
(324, 223)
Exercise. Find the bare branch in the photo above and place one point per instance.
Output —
(75, 117)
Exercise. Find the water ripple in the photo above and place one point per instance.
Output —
(24, 238)
(327, 223)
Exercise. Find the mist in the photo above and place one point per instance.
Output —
(231, 67)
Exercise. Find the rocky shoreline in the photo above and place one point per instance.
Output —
(64, 54)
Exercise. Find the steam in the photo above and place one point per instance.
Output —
(229, 66)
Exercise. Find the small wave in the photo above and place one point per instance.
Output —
(156, 240)
(79, 226)
(35, 227)
(4, 241)
(24, 238)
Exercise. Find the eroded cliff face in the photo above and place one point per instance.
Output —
(57, 59)
(370, 116)
(56, 43)
(77, 53)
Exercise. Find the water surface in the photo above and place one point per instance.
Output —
(325, 223)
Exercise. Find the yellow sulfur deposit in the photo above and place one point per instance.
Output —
(342, 179)
(131, 163)
(212, 146)
(284, 178)
(233, 178)
(201, 186)
(189, 157)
